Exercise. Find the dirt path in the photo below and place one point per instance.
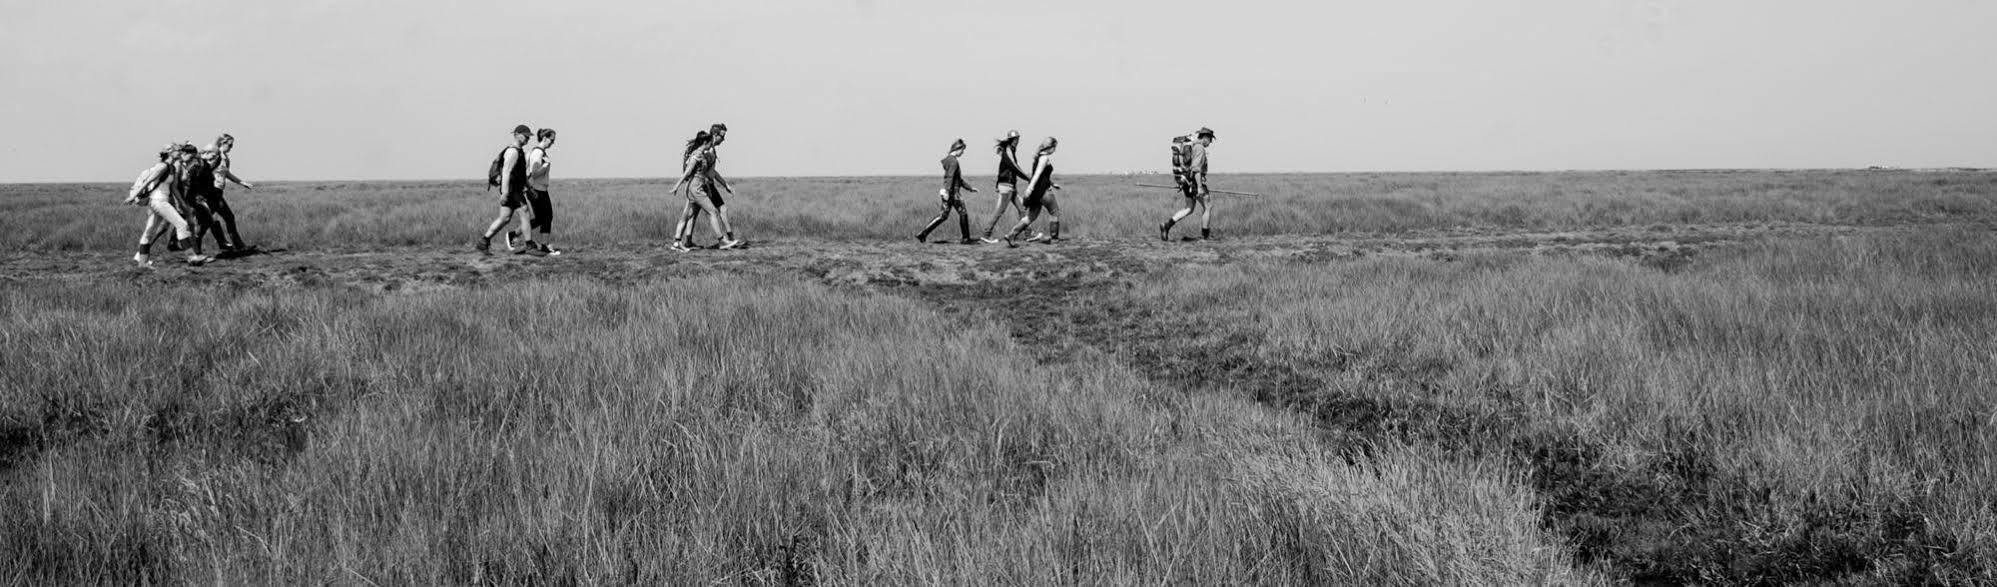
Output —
(418, 269)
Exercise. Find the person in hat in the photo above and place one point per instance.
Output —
(1007, 184)
(953, 180)
(156, 189)
(695, 176)
(1040, 197)
(1194, 186)
(540, 208)
(512, 195)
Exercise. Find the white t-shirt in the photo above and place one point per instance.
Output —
(537, 168)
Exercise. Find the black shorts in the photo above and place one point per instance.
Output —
(513, 199)
(540, 210)
(714, 195)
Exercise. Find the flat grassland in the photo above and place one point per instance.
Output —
(1446, 378)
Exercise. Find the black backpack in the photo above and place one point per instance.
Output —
(499, 165)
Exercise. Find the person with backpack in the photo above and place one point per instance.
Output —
(1007, 184)
(1040, 197)
(695, 177)
(1191, 170)
(540, 209)
(509, 173)
(156, 189)
(953, 180)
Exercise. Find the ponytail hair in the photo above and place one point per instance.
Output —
(1045, 146)
(699, 140)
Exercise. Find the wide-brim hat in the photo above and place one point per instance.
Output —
(1204, 132)
(522, 129)
(1011, 136)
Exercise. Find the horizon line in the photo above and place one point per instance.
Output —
(1936, 169)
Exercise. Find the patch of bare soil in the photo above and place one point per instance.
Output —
(1675, 524)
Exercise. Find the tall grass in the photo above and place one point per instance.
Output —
(365, 214)
(1800, 410)
(722, 429)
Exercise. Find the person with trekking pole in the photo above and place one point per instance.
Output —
(1193, 184)
(953, 180)
(1007, 184)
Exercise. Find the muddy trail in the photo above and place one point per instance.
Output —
(419, 269)
(1669, 523)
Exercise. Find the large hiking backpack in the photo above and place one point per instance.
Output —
(499, 166)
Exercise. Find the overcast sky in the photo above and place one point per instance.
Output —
(318, 89)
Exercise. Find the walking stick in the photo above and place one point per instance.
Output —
(1209, 190)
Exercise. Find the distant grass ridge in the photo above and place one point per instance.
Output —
(364, 214)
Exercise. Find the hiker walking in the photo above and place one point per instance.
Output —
(195, 179)
(953, 180)
(540, 209)
(715, 185)
(695, 177)
(1007, 184)
(509, 174)
(1040, 197)
(216, 157)
(156, 188)
(1191, 172)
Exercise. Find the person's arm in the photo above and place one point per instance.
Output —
(230, 175)
(1035, 179)
(720, 181)
(537, 164)
(511, 160)
(1196, 170)
(691, 170)
(957, 176)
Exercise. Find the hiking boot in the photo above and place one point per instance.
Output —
(730, 244)
(1165, 232)
(551, 251)
(173, 245)
(484, 246)
(681, 247)
(1009, 244)
(532, 248)
(142, 259)
(922, 238)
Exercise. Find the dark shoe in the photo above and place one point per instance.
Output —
(532, 248)
(551, 251)
(484, 246)
(922, 238)
(1165, 232)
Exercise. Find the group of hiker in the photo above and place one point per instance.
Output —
(183, 196)
(521, 175)
(1189, 171)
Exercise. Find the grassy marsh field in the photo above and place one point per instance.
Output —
(1580, 378)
